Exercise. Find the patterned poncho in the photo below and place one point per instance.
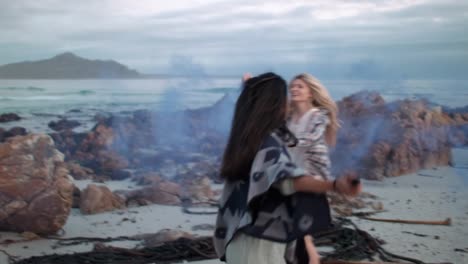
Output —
(256, 206)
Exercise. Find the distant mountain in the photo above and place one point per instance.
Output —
(67, 66)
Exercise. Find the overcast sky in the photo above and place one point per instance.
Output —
(331, 38)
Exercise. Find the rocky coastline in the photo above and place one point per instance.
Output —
(172, 158)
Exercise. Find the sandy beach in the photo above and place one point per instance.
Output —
(434, 194)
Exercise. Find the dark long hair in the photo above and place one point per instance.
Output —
(260, 110)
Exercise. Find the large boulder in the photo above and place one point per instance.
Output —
(36, 192)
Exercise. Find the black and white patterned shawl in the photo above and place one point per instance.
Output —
(256, 207)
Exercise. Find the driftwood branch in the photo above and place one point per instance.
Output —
(363, 214)
(446, 222)
(367, 262)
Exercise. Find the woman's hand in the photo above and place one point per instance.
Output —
(343, 185)
(348, 185)
(246, 77)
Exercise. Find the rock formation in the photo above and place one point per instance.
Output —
(35, 190)
(379, 139)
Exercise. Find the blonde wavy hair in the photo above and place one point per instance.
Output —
(321, 99)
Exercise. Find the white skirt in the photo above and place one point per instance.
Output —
(245, 249)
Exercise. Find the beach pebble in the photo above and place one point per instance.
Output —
(378, 206)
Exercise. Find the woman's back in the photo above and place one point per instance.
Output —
(255, 206)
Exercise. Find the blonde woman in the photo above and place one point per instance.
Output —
(313, 120)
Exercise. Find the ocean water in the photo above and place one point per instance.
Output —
(59, 96)
(39, 100)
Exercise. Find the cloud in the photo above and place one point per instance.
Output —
(233, 36)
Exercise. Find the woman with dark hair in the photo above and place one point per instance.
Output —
(257, 220)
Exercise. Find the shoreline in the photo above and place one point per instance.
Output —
(414, 197)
